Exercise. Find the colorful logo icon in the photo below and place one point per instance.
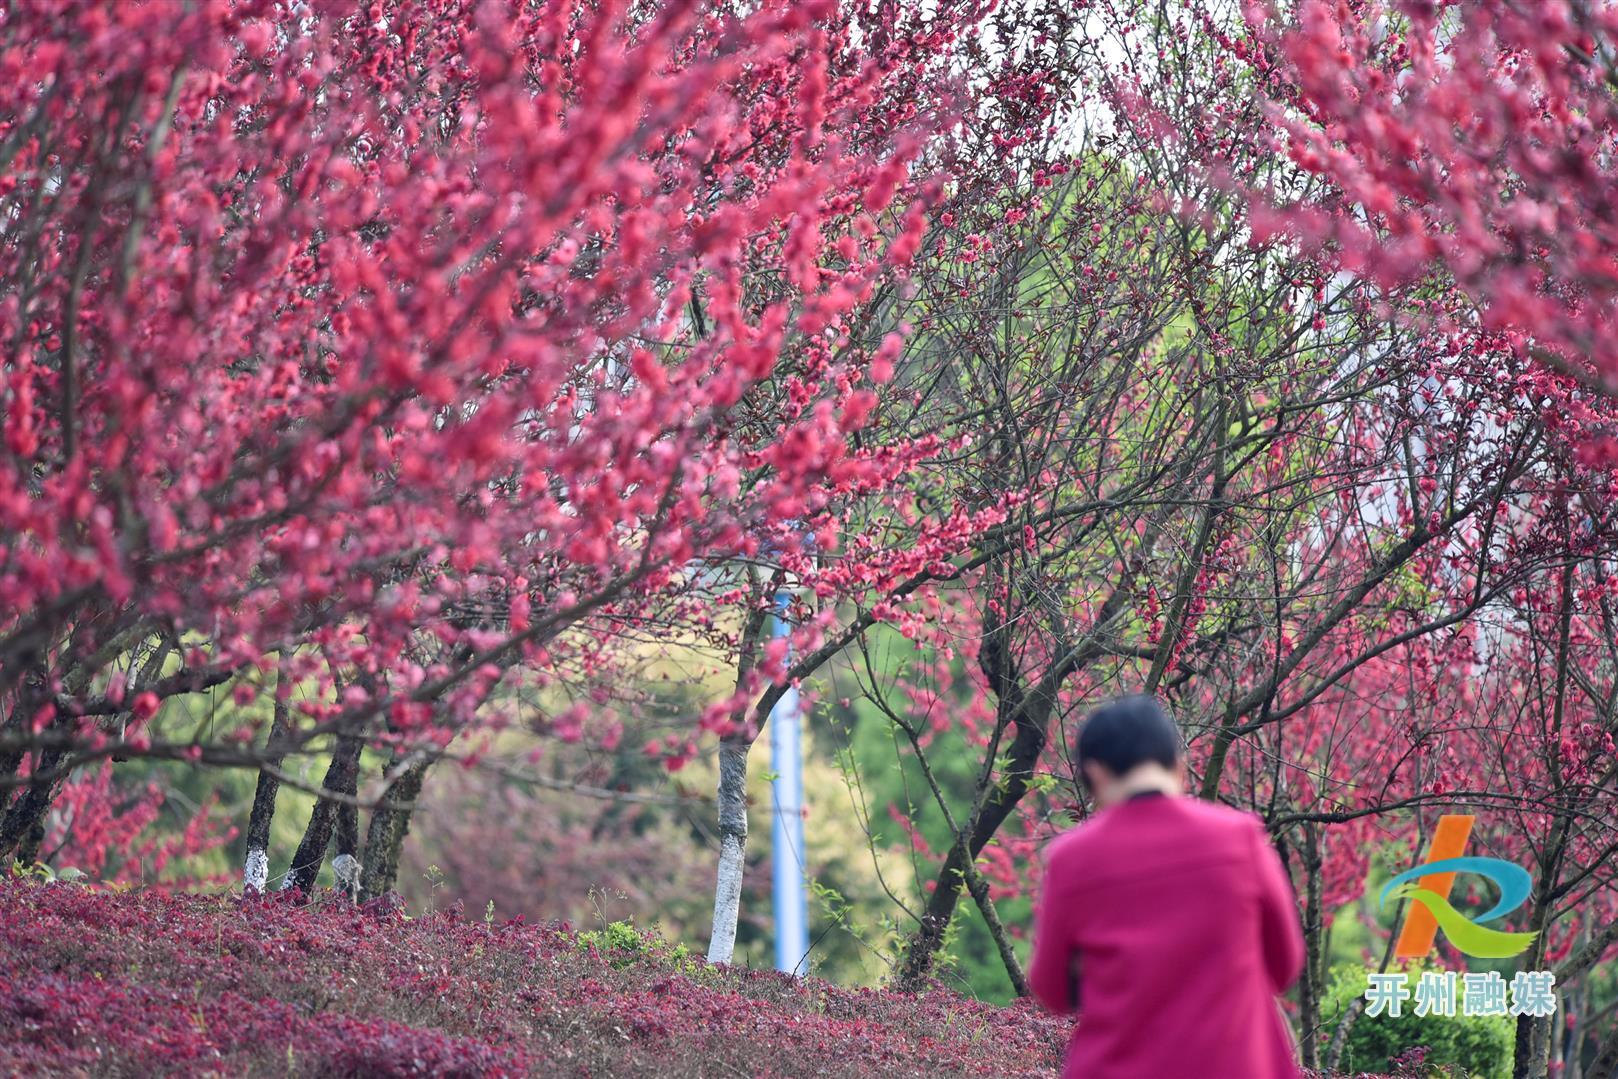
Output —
(1428, 885)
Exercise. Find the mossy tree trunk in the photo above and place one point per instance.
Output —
(390, 823)
(342, 778)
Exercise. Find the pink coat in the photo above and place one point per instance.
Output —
(1183, 928)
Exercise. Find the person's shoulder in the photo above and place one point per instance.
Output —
(1069, 847)
(1223, 818)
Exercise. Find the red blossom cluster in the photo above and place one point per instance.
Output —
(404, 341)
(113, 834)
(1470, 141)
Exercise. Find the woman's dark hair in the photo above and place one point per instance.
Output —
(1126, 732)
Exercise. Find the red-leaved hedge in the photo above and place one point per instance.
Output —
(143, 983)
(129, 983)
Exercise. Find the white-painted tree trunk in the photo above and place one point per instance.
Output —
(345, 870)
(256, 866)
(732, 848)
(256, 869)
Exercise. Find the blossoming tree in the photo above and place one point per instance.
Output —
(381, 360)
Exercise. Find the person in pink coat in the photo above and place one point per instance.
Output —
(1165, 922)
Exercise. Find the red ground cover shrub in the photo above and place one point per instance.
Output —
(105, 982)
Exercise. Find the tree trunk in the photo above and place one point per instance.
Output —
(1224, 737)
(979, 889)
(1558, 1032)
(1533, 1047)
(1356, 1007)
(732, 795)
(22, 827)
(1339, 1038)
(922, 948)
(345, 854)
(1576, 1005)
(732, 847)
(256, 862)
(342, 777)
(1532, 1054)
(390, 822)
(1027, 711)
(1033, 716)
(1606, 1062)
(347, 838)
(29, 697)
(1314, 951)
(975, 883)
(22, 830)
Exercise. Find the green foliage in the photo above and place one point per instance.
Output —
(621, 945)
(882, 771)
(1473, 1046)
(32, 871)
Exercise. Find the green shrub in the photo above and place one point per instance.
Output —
(621, 944)
(1471, 1046)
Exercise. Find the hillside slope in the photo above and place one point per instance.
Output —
(138, 983)
(105, 982)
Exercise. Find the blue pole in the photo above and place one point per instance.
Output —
(791, 898)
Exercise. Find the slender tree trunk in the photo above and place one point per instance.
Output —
(345, 860)
(1533, 1048)
(979, 889)
(1356, 1007)
(922, 948)
(347, 838)
(1531, 1058)
(29, 697)
(1339, 1038)
(256, 862)
(975, 883)
(732, 847)
(23, 829)
(1224, 737)
(1606, 1061)
(1314, 939)
(345, 856)
(732, 793)
(1576, 1002)
(1532, 1051)
(342, 777)
(1557, 1034)
(390, 822)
